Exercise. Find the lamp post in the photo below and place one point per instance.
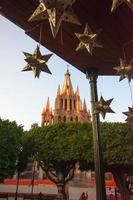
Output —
(92, 74)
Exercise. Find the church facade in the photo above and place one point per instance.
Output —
(68, 106)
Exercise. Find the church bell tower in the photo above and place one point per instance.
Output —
(68, 105)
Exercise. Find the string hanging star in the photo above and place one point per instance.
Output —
(129, 115)
(125, 70)
(55, 11)
(36, 62)
(88, 40)
(117, 3)
(103, 107)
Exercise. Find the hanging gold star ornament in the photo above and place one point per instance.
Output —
(36, 62)
(117, 3)
(88, 40)
(129, 115)
(103, 107)
(125, 70)
(55, 11)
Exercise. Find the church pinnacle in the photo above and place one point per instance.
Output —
(84, 106)
(77, 92)
(48, 105)
(67, 88)
(58, 91)
(47, 115)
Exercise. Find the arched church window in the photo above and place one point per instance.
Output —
(59, 118)
(76, 119)
(61, 103)
(64, 119)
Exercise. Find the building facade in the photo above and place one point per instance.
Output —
(68, 105)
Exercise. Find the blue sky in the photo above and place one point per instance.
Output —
(22, 97)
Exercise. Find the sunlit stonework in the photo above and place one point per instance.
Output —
(68, 106)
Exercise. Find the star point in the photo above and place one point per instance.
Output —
(117, 3)
(39, 14)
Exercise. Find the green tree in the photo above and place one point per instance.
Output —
(58, 148)
(118, 153)
(10, 134)
(117, 141)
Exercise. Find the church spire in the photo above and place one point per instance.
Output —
(47, 114)
(84, 106)
(67, 85)
(48, 105)
(58, 91)
(77, 92)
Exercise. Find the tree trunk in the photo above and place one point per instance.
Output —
(16, 194)
(63, 172)
(61, 183)
(120, 179)
(33, 177)
(61, 191)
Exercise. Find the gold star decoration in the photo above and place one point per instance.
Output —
(117, 3)
(55, 11)
(129, 115)
(88, 40)
(125, 70)
(36, 62)
(103, 107)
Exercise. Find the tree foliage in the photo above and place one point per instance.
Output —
(10, 136)
(117, 139)
(60, 146)
(62, 141)
(118, 144)
(73, 141)
(118, 153)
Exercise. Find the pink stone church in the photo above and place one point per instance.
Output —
(68, 106)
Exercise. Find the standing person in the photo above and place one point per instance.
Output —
(84, 196)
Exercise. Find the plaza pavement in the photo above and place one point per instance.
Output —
(74, 192)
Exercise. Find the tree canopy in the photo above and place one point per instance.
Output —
(10, 137)
(62, 141)
(118, 144)
(60, 146)
(73, 141)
